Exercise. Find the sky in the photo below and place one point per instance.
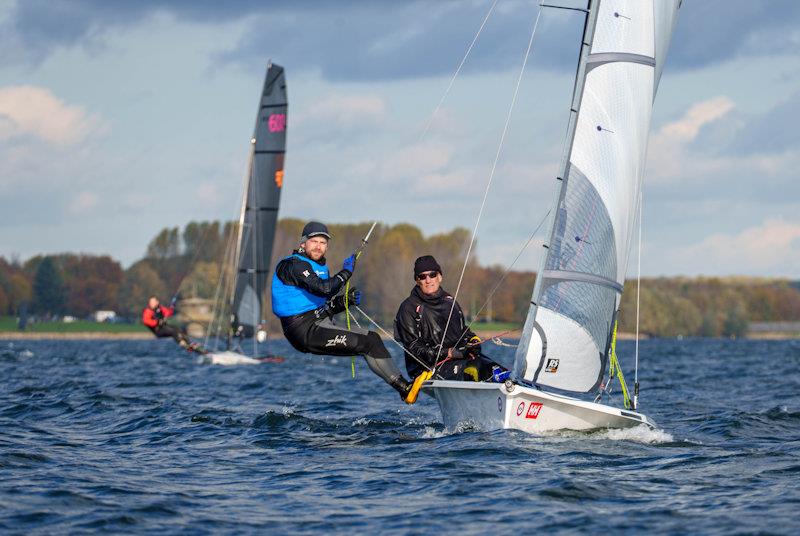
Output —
(120, 118)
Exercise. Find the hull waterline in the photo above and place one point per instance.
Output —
(493, 406)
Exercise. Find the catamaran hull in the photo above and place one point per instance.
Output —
(492, 406)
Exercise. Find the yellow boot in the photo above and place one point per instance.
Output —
(414, 392)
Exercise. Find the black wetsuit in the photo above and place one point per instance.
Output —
(418, 326)
(316, 332)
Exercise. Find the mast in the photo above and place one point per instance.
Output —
(520, 362)
(579, 284)
(260, 204)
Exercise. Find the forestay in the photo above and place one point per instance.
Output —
(260, 203)
(577, 294)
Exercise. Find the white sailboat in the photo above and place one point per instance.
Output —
(566, 341)
(243, 286)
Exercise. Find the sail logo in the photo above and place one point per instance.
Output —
(552, 365)
(276, 122)
(339, 339)
(533, 410)
(279, 178)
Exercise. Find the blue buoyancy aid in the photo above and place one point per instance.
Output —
(290, 300)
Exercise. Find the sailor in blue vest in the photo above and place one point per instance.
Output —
(305, 297)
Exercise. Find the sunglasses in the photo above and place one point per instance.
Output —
(427, 275)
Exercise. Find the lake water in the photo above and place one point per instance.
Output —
(118, 436)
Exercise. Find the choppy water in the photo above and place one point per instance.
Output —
(139, 437)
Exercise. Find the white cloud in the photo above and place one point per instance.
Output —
(674, 157)
(35, 111)
(770, 248)
(82, 202)
(687, 127)
(344, 111)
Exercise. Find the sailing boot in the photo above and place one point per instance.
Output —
(402, 386)
(413, 391)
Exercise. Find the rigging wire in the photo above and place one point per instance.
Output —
(505, 274)
(638, 294)
(218, 297)
(390, 336)
(491, 176)
(455, 74)
(230, 250)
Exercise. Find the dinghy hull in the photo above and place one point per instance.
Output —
(229, 358)
(493, 406)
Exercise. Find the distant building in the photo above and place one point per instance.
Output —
(104, 316)
(68, 319)
(773, 330)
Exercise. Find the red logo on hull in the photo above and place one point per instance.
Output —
(533, 410)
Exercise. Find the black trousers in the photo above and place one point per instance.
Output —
(467, 369)
(165, 330)
(321, 336)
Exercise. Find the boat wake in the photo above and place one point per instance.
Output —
(638, 434)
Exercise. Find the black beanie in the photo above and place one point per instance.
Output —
(426, 263)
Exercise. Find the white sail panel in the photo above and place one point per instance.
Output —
(567, 334)
(624, 26)
(611, 144)
(566, 337)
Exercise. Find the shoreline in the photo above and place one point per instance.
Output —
(134, 336)
(79, 335)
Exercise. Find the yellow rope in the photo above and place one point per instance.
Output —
(615, 368)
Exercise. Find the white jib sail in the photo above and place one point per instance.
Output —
(567, 333)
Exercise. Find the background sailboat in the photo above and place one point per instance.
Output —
(239, 305)
(567, 338)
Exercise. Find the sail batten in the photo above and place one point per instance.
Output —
(566, 336)
(260, 205)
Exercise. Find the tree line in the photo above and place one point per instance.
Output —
(188, 261)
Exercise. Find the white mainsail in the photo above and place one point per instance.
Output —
(567, 333)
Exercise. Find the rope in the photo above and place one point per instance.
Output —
(398, 343)
(615, 368)
(455, 74)
(500, 342)
(491, 177)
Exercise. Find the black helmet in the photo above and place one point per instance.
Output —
(315, 228)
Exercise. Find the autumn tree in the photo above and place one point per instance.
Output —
(48, 288)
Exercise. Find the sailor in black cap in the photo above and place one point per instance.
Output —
(420, 327)
(305, 297)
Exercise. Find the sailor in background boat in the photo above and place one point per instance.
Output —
(155, 315)
(305, 298)
(420, 322)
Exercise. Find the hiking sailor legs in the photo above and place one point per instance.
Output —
(310, 333)
(155, 315)
(305, 298)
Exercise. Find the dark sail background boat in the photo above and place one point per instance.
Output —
(243, 284)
